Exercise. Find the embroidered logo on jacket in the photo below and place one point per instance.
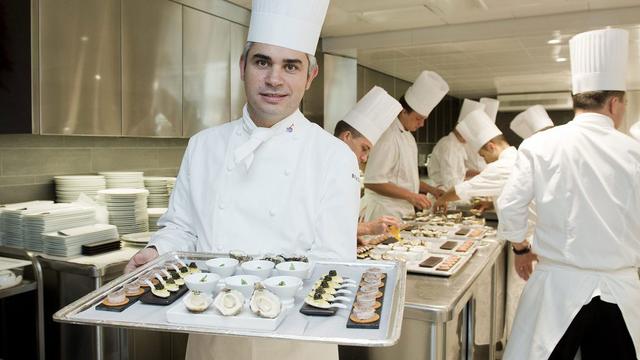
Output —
(355, 177)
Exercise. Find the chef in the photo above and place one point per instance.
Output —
(487, 140)
(270, 181)
(475, 163)
(447, 164)
(360, 130)
(584, 177)
(392, 184)
(634, 131)
(530, 121)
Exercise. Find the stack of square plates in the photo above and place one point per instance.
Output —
(37, 222)
(124, 179)
(69, 187)
(68, 242)
(154, 216)
(171, 183)
(137, 240)
(11, 220)
(158, 191)
(127, 209)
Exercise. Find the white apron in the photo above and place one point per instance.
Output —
(553, 296)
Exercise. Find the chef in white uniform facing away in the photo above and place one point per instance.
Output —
(360, 130)
(475, 163)
(270, 181)
(392, 183)
(634, 131)
(447, 164)
(585, 179)
(530, 121)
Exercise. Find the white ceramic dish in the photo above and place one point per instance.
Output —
(259, 268)
(242, 283)
(203, 282)
(285, 287)
(298, 269)
(224, 267)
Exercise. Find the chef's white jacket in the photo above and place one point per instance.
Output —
(394, 159)
(300, 194)
(585, 179)
(492, 179)
(474, 160)
(446, 166)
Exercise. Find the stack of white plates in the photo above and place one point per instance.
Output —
(11, 220)
(68, 242)
(127, 209)
(124, 179)
(154, 215)
(171, 183)
(158, 191)
(137, 240)
(69, 187)
(37, 222)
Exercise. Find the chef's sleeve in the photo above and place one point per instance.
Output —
(382, 163)
(451, 165)
(513, 203)
(339, 201)
(489, 182)
(177, 233)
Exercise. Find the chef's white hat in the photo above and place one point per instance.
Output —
(490, 107)
(426, 92)
(373, 114)
(530, 121)
(635, 130)
(293, 24)
(468, 106)
(477, 129)
(599, 60)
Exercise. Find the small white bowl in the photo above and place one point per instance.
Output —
(242, 283)
(203, 282)
(224, 267)
(259, 268)
(298, 269)
(285, 287)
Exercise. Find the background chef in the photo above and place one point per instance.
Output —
(584, 177)
(270, 181)
(530, 121)
(360, 130)
(447, 163)
(475, 163)
(392, 183)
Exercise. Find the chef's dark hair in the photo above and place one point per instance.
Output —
(342, 126)
(404, 104)
(594, 100)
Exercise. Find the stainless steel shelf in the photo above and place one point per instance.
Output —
(23, 287)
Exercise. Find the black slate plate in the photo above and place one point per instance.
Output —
(373, 325)
(149, 298)
(132, 300)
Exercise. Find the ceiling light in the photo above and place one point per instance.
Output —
(561, 59)
(554, 41)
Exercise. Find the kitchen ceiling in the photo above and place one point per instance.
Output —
(481, 47)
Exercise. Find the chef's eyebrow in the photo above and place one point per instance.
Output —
(268, 58)
(262, 57)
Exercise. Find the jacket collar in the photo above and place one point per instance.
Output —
(290, 124)
(593, 119)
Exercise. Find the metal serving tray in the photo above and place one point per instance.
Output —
(295, 326)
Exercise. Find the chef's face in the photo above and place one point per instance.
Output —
(617, 107)
(489, 152)
(275, 79)
(411, 120)
(359, 145)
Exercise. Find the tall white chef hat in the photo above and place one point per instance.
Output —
(599, 60)
(477, 129)
(490, 107)
(293, 24)
(373, 114)
(635, 130)
(530, 121)
(426, 92)
(468, 106)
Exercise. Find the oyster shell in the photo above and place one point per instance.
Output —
(197, 302)
(229, 302)
(264, 303)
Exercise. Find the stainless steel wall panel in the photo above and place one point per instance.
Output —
(206, 97)
(151, 68)
(222, 8)
(238, 39)
(340, 88)
(80, 75)
(372, 77)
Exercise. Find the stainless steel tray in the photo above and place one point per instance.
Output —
(295, 326)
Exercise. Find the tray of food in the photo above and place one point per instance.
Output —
(438, 264)
(267, 296)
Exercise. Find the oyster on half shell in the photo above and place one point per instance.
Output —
(264, 303)
(229, 302)
(197, 302)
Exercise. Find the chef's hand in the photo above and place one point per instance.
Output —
(440, 206)
(481, 206)
(140, 258)
(437, 192)
(524, 264)
(419, 200)
(381, 225)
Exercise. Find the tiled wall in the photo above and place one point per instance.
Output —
(29, 162)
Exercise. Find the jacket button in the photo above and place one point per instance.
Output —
(229, 168)
(287, 172)
(272, 212)
(221, 206)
